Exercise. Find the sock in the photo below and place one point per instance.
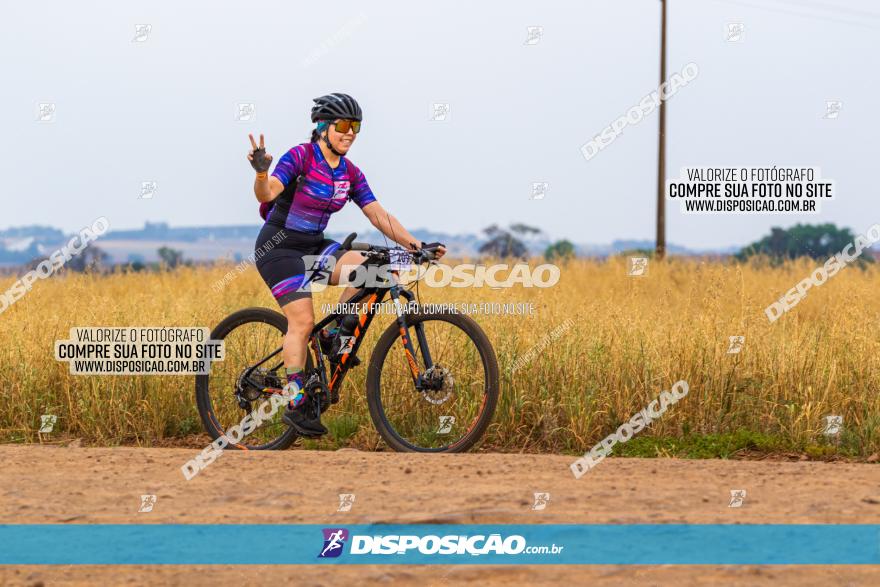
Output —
(298, 398)
(294, 376)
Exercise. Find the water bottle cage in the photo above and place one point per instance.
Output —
(347, 324)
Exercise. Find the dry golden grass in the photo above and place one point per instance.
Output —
(632, 337)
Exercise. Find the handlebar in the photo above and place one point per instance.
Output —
(419, 256)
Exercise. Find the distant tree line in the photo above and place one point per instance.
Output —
(94, 259)
(817, 241)
(506, 243)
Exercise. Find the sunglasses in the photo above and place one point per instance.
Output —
(343, 125)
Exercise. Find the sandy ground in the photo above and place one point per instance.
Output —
(104, 485)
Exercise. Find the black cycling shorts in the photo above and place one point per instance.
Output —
(287, 261)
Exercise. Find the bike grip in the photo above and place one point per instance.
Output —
(359, 247)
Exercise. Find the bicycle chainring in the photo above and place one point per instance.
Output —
(319, 393)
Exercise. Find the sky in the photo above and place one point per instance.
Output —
(163, 107)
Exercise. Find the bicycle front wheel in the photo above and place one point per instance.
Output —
(454, 413)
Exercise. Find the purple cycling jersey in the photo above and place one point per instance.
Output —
(322, 191)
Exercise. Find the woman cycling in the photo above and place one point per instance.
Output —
(310, 182)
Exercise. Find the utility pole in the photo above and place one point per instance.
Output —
(660, 251)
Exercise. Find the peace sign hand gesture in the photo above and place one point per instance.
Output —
(260, 160)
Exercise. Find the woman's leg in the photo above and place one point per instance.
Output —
(284, 272)
(300, 321)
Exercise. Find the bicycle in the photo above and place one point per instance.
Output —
(437, 397)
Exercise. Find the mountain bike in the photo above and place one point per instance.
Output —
(431, 384)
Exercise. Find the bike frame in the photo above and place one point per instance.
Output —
(373, 296)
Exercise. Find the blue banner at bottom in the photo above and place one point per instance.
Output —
(516, 544)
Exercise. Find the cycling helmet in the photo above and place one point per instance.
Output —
(336, 105)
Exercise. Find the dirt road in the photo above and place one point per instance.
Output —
(86, 485)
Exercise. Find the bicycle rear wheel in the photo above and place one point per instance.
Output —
(249, 336)
(454, 415)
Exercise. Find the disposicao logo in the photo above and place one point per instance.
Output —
(334, 540)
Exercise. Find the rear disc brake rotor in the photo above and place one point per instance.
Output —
(247, 389)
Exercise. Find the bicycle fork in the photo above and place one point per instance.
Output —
(398, 292)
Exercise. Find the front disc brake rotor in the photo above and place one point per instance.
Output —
(441, 385)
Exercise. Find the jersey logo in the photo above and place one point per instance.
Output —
(340, 189)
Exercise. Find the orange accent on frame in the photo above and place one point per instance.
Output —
(363, 317)
(412, 363)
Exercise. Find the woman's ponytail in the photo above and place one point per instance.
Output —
(316, 132)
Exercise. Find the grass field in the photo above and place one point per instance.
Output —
(629, 338)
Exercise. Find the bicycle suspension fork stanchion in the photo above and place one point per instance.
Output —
(398, 292)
